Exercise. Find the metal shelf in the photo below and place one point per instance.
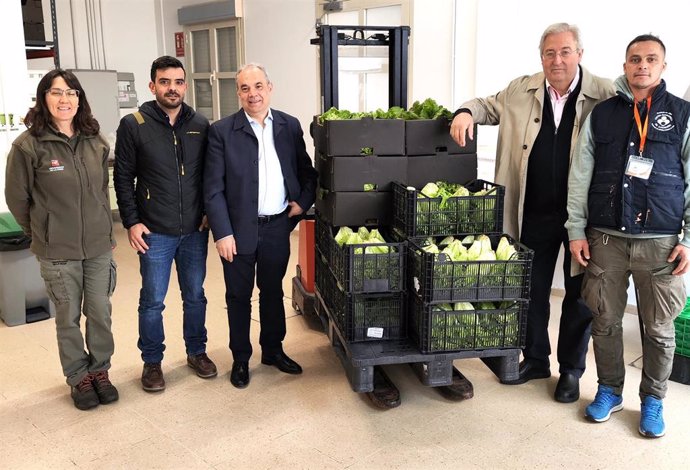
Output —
(43, 49)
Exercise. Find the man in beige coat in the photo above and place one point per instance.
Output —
(540, 117)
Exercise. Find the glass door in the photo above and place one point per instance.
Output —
(215, 55)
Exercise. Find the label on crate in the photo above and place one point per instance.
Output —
(374, 332)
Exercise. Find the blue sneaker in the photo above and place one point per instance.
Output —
(605, 403)
(652, 417)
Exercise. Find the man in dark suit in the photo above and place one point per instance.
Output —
(258, 180)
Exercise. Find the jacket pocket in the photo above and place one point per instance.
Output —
(602, 204)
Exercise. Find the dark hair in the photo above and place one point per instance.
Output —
(643, 38)
(165, 62)
(39, 118)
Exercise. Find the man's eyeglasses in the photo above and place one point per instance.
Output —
(59, 92)
(564, 53)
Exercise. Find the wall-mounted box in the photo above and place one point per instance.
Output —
(126, 92)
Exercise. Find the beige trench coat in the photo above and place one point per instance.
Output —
(518, 110)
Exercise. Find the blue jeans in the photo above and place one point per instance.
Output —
(189, 252)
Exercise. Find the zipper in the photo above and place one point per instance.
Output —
(81, 191)
(180, 172)
(666, 174)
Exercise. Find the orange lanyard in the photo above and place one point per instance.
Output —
(638, 121)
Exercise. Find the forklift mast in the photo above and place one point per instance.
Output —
(395, 37)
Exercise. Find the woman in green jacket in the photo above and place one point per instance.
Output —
(57, 189)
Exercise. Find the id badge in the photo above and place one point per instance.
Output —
(639, 167)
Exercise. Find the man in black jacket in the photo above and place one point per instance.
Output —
(158, 181)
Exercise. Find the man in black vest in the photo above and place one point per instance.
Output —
(627, 202)
(159, 166)
(540, 116)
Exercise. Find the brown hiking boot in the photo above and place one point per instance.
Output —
(106, 391)
(83, 394)
(152, 377)
(202, 365)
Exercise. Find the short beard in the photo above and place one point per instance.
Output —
(165, 105)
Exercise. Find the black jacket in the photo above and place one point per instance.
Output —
(159, 169)
(231, 181)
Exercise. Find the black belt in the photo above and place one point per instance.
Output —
(264, 219)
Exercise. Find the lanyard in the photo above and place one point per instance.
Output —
(638, 121)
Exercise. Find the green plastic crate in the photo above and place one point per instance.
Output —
(685, 313)
(683, 336)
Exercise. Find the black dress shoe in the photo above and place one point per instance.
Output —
(460, 389)
(239, 376)
(568, 388)
(385, 394)
(282, 362)
(529, 371)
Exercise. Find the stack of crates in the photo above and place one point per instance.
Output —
(357, 160)
(681, 360)
(364, 290)
(362, 285)
(462, 305)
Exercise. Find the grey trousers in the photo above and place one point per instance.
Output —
(76, 287)
(661, 299)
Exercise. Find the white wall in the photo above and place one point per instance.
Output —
(128, 43)
(431, 51)
(277, 34)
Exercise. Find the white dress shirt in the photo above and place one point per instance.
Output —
(272, 194)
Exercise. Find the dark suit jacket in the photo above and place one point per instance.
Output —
(231, 175)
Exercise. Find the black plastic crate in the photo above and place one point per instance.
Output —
(354, 208)
(362, 317)
(363, 173)
(428, 136)
(417, 216)
(358, 271)
(353, 137)
(502, 327)
(435, 278)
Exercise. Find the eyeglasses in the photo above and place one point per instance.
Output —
(564, 53)
(59, 92)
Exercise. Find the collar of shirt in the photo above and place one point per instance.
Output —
(253, 121)
(555, 97)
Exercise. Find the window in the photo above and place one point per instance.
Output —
(215, 56)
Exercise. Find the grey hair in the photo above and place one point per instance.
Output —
(558, 28)
(253, 65)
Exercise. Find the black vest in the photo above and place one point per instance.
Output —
(629, 204)
(546, 191)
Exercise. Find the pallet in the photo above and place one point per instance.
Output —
(302, 301)
(433, 370)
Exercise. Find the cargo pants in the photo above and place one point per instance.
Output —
(661, 298)
(76, 287)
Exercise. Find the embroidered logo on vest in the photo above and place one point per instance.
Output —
(663, 121)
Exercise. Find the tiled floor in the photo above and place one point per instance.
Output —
(311, 421)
